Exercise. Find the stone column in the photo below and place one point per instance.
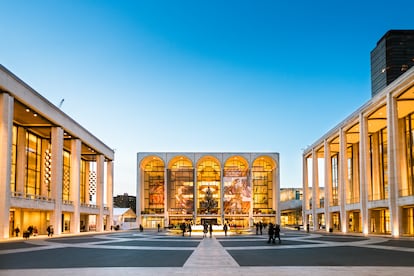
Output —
(393, 159)
(195, 193)
(221, 194)
(75, 167)
(276, 192)
(6, 130)
(315, 189)
(343, 177)
(364, 171)
(100, 162)
(140, 198)
(166, 199)
(57, 178)
(328, 184)
(305, 201)
(109, 192)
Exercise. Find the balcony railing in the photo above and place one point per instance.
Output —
(378, 196)
(88, 205)
(334, 202)
(31, 197)
(406, 192)
(352, 200)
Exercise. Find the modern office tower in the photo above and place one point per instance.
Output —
(238, 189)
(393, 56)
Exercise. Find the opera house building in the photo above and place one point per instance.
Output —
(54, 174)
(238, 189)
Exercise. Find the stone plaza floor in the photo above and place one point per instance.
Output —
(163, 253)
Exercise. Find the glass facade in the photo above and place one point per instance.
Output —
(334, 180)
(208, 187)
(408, 188)
(180, 187)
(154, 187)
(33, 164)
(66, 177)
(235, 191)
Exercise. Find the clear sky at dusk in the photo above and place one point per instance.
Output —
(214, 76)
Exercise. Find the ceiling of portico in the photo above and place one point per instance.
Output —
(34, 122)
(377, 120)
(405, 103)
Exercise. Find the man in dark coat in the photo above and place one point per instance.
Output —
(271, 233)
(277, 233)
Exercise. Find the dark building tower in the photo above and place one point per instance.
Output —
(393, 55)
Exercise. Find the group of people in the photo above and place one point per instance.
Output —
(259, 228)
(32, 231)
(207, 228)
(186, 227)
(274, 232)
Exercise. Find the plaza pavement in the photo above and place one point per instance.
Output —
(153, 253)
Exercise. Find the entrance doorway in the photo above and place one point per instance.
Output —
(209, 221)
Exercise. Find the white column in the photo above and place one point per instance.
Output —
(195, 201)
(364, 171)
(109, 192)
(305, 202)
(250, 181)
(100, 162)
(166, 199)
(6, 130)
(315, 189)
(75, 167)
(221, 194)
(343, 176)
(57, 177)
(276, 200)
(393, 159)
(140, 198)
(328, 183)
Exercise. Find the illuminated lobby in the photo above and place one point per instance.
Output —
(366, 166)
(238, 189)
(53, 171)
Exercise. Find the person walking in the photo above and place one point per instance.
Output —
(225, 228)
(205, 230)
(49, 231)
(211, 230)
(189, 229)
(271, 233)
(277, 233)
(261, 228)
(17, 231)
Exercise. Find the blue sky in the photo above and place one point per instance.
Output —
(183, 76)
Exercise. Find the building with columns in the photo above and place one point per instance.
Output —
(52, 170)
(366, 166)
(239, 189)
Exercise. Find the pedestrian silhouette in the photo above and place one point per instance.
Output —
(271, 232)
(277, 233)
